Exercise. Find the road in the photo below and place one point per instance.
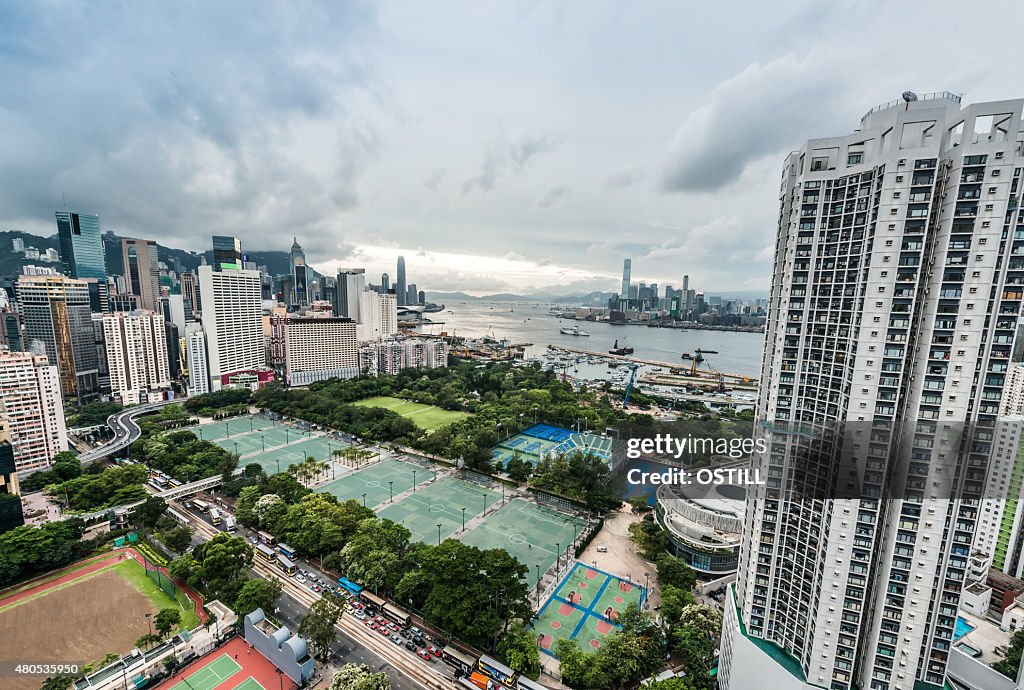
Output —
(356, 643)
(125, 429)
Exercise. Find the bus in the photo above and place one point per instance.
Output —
(397, 615)
(372, 599)
(178, 517)
(287, 551)
(214, 516)
(349, 586)
(524, 683)
(286, 565)
(267, 538)
(201, 506)
(460, 660)
(267, 553)
(495, 670)
(229, 523)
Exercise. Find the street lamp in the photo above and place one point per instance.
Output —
(485, 502)
(263, 443)
(236, 447)
(149, 621)
(391, 490)
(558, 547)
(463, 518)
(364, 500)
(439, 534)
(414, 481)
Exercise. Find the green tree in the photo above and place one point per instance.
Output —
(150, 511)
(177, 539)
(148, 640)
(694, 638)
(649, 538)
(257, 594)
(166, 619)
(217, 566)
(673, 571)
(1009, 665)
(359, 677)
(318, 626)
(517, 647)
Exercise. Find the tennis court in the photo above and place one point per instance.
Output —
(232, 666)
(214, 431)
(301, 447)
(378, 482)
(440, 503)
(211, 675)
(585, 608)
(527, 531)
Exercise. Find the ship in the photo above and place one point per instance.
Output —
(699, 351)
(698, 357)
(616, 350)
(575, 330)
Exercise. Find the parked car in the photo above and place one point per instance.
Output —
(301, 580)
(410, 646)
(396, 639)
(425, 655)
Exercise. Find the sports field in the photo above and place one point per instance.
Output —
(426, 417)
(440, 503)
(584, 608)
(378, 482)
(115, 595)
(232, 666)
(527, 531)
(274, 446)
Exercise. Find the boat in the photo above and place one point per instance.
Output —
(616, 350)
(575, 330)
(699, 351)
(698, 357)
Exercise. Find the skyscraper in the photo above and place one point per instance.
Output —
(58, 317)
(142, 271)
(232, 320)
(227, 252)
(81, 246)
(301, 274)
(385, 282)
(412, 295)
(350, 287)
(895, 294)
(380, 316)
(33, 408)
(626, 267)
(196, 360)
(137, 355)
(400, 281)
(320, 348)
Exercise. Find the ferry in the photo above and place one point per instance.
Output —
(575, 330)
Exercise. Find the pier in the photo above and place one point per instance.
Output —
(700, 377)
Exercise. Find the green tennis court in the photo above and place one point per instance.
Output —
(301, 447)
(440, 503)
(527, 531)
(214, 431)
(378, 482)
(249, 684)
(211, 675)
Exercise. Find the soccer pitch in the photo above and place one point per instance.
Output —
(424, 416)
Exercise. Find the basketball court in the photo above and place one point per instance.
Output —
(232, 666)
(585, 608)
(440, 503)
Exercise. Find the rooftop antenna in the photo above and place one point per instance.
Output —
(909, 97)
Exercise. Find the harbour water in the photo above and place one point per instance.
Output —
(529, 322)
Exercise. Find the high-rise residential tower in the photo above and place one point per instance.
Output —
(142, 271)
(380, 316)
(400, 287)
(349, 289)
(33, 408)
(232, 320)
(137, 355)
(897, 282)
(81, 246)
(58, 318)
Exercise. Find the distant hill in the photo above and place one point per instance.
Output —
(589, 299)
(12, 263)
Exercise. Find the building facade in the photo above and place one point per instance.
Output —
(81, 246)
(142, 272)
(33, 408)
(349, 290)
(11, 513)
(137, 356)
(197, 364)
(379, 313)
(400, 286)
(320, 348)
(227, 252)
(895, 293)
(232, 320)
(58, 318)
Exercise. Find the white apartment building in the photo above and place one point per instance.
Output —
(392, 355)
(232, 317)
(197, 363)
(317, 349)
(34, 407)
(136, 347)
(379, 316)
(1013, 394)
(897, 283)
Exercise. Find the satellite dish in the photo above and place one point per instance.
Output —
(909, 96)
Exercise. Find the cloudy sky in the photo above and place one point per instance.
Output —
(500, 146)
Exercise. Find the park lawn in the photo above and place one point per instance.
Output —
(136, 575)
(426, 417)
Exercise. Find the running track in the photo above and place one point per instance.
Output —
(99, 563)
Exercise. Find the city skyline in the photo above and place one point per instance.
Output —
(367, 155)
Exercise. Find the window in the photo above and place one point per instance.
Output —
(854, 158)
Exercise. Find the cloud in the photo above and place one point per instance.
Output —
(498, 157)
(433, 181)
(624, 177)
(490, 168)
(530, 147)
(763, 110)
(554, 196)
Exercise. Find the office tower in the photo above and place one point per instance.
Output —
(686, 283)
(232, 320)
(11, 514)
(349, 289)
(317, 349)
(142, 272)
(400, 281)
(422, 297)
(32, 404)
(174, 349)
(81, 247)
(895, 292)
(626, 268)
(136, 345)
(385, 282)
(301, 274)
(412, 295)
(174, 310)
(380, 316)
(190, 294)
(11, 337)
(197, 363)
(227, 252)
(57, 316)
